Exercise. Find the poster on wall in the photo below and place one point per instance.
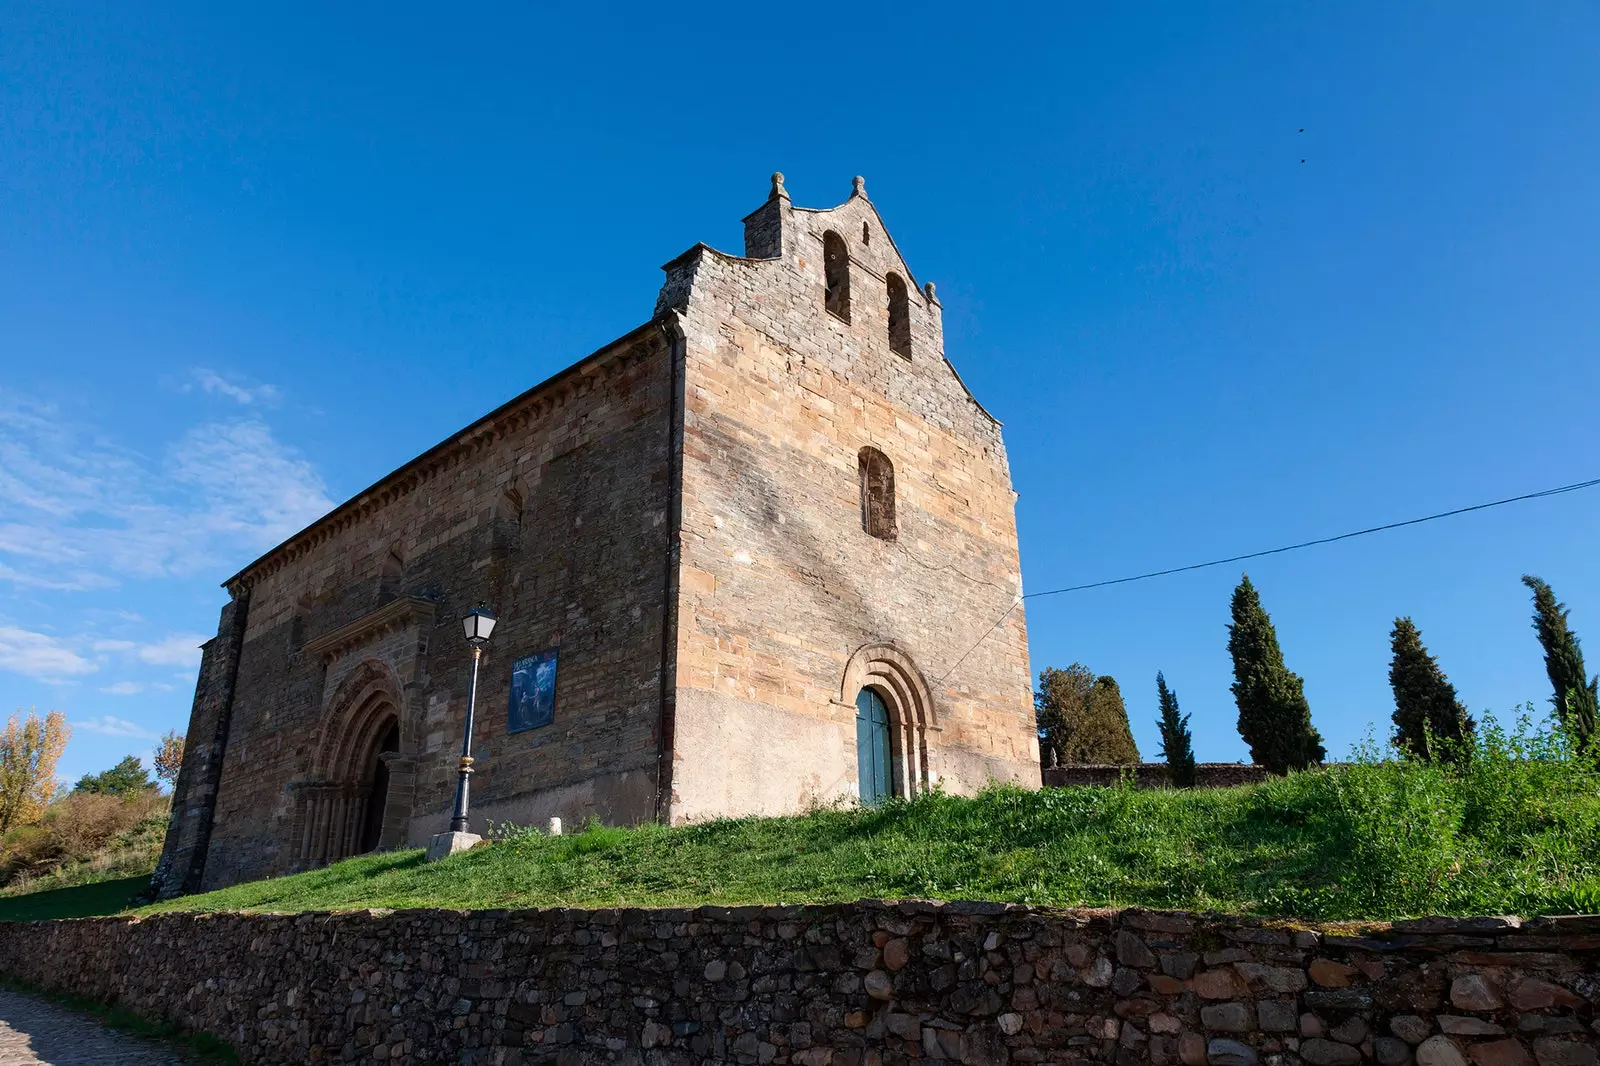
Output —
(533, 692)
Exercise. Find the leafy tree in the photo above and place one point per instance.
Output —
(1177, 746)
(1426, 710)
(169, 758)
(29, 748)
(127, 778)
(1274, 717)
(1576, 698)
(1081, 717)
(1058, 708)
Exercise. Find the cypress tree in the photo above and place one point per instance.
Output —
(1177, 746)
(1575, 695)
(1107, 736)
(1426, 710)
(1274, 717)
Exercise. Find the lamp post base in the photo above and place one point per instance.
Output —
(444, 845)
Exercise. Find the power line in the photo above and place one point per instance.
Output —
(1574, 487)
(1321, 540)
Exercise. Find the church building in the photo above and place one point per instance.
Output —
(758, 554)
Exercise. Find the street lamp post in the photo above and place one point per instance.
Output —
(477, 624)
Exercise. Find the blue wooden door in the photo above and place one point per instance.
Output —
(872, 747)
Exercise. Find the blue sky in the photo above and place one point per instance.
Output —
(1232, 275)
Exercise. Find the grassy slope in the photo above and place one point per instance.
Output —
(1517, 832)
(78, 901)
(1366, 841)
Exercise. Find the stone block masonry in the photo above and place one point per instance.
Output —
(864, 984)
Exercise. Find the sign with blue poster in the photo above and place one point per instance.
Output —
(533, 692)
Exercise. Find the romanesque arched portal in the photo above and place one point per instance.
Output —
(347, 804)
(892, 678)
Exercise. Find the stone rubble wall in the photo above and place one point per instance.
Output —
(865, 984)
(1154, 774)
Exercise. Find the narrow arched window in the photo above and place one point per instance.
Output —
(899, 317)
(877, 494)
(836, 272)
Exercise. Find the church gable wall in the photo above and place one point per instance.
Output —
(556, 516)
(780, 583)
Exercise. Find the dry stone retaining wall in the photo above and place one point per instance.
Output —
(865, 984)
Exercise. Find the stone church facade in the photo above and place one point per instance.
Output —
(763, 537)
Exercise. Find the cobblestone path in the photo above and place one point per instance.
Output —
(34, 1032)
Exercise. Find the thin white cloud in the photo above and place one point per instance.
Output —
(114, 645)
(183, 649)
(39, 655)
(216, 384)
(123, 688)
(112, 726)
(77, 581)
(78, 511)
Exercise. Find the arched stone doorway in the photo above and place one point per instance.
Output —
(894, 715)
(346, 805)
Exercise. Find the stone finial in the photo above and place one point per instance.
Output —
(860, 185)
(777, 186)
(928, 289)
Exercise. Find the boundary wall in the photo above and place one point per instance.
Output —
(862, 984)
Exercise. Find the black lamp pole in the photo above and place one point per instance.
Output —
(478, 624)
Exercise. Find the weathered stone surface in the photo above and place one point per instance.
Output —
(1530, 993)
(1272, 978)
(1500, 1053)
(1131, 951)
(1276, 1016)
(1221, 1051)
(1553, 1051)
(444, 845)
(1459, 1025)
(1215, 984)
(1474, 991)
(1440, 1051)
(1338, 999)
(1321, 1052)
(1351, 1030)
(1410, 1028)
(1228, 1017)
(1330, 974)
(1391, 1051)
(1192, 1049)
(896, 953)
(879, 985)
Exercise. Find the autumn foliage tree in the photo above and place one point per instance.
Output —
(29, 748)
(169, 758)
(1082, 718)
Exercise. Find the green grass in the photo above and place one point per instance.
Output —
(1517, 830)
(78, 901)
(197, 1047)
